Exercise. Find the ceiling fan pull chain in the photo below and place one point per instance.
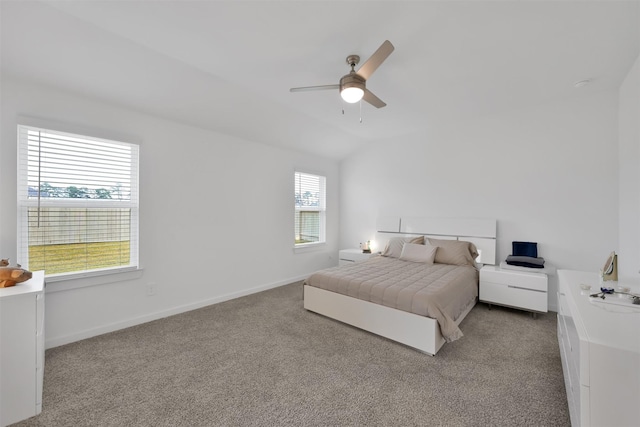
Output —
(360, 111)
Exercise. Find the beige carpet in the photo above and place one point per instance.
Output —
(262, 360)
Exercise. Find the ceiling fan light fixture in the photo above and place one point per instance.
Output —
(352, 94)
(352, 88)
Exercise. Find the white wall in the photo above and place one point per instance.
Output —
(629, 161)
(216, 214)
(547, 174)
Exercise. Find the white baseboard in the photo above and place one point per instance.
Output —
(67, 339)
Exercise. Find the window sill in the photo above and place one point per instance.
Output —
(309, 247)
(67, 282)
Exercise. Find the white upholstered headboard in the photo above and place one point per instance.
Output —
(481, 232)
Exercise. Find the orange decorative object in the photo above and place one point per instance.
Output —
(9, 276)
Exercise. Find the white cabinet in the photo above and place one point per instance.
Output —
(600, 351)
(346, 256)
(22, 349)
(512, 288)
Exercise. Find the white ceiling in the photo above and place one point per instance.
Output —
(228, 65)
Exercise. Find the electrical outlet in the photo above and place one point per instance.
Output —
(151, 289)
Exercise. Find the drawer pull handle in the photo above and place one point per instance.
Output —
(526, 289)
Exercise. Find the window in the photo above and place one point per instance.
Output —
(310, 208)
(77, 203)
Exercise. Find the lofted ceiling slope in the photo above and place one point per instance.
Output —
(228, 65)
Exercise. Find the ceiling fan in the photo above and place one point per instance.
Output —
(353, 86)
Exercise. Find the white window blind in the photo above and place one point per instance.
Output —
(310, 208)
(77, 203)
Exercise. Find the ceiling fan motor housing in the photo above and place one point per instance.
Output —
(352, 80)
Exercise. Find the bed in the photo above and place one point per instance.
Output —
(418, 290)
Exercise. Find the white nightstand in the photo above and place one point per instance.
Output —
(511, 288)
(347, 256)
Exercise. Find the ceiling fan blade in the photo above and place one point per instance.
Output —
(375, 60)
(372, 99)
(310, 88)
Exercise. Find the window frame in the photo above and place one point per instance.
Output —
(321, 209)
(24, 203)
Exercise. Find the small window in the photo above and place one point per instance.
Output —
(310, 208)
(77, 203)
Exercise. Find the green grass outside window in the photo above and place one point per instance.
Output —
(66, 258)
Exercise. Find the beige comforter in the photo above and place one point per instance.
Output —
(439, 291)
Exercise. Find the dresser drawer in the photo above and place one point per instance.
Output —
(512, 296)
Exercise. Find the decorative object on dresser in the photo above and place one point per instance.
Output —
(609, 270)
(524, 290)
(22, 337)
(9, 276)
(600, 351)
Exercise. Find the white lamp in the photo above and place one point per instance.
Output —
(373, 245)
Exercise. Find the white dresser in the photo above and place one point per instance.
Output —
(22, 349)
(600, 351)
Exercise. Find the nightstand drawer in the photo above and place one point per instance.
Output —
(347, 256)
(513, 296)
(523, 280)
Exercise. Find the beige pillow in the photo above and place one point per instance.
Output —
(418, 253)
(395, 244)
(455, 252)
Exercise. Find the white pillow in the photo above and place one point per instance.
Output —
(418, 253)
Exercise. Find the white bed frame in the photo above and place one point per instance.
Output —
(419, 332)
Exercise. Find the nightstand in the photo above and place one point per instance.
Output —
(347, 256)
(512, 288)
